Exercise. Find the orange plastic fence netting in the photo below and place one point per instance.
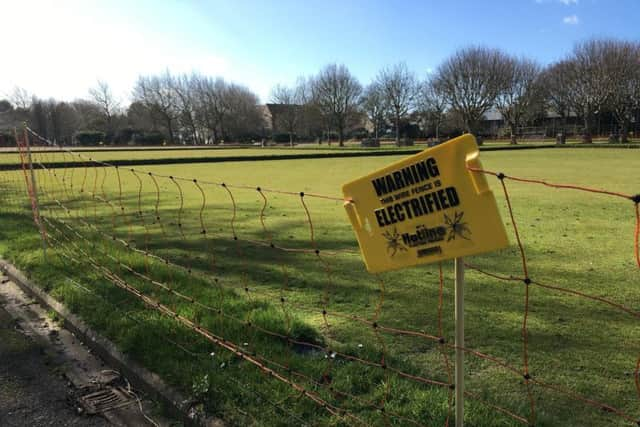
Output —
(122, 223)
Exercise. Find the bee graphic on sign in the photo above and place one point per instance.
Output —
(457, 227)
(393, 242)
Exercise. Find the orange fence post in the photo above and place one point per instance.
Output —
(36, 202)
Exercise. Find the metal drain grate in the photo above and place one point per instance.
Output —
(105, 400)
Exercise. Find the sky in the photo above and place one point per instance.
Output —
(62, 48)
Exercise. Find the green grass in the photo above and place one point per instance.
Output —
(10, 158)
(122, 153)
(136, 153)
(572, 239)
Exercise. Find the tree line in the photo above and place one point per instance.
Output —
(598, 77)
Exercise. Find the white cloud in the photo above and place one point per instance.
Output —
(568, 2)
(571, 20)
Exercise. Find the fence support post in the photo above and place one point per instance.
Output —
(459, 317)
(34, 189)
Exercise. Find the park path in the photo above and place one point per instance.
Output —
(32, 393)
(45, 371)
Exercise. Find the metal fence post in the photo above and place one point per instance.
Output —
(459, 318)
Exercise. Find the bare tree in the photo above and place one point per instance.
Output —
(243, 119)
(432, 104)
(89, 114)
(20, 98)
(212, 106)
(399, 87)
(54, 120)
(38, 117)
(336, 93)
(204, 92)
(218, 110)
(63, 121)
(375, 106)
(623, 70)
(16, 106)
(139, 117)
(519, 98)
(109, 105)
(470, 81)
(312, 122)
(185, 88)
(291, 102)
(554, 82)
(589, 86)
(158, 95)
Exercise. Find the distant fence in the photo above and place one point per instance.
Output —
(247, 269)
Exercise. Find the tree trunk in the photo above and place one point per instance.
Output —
(513, 130)
(397, 129)
(624, 132)
(341, 136)
(376, 125)
(290, 139)
(170, 129)
(586, 137)
(561, 137)
(467, 125)
(110, 126)
(194, 134)
(222, 135)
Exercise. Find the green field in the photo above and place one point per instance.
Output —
(107, 154)
(133, 153)
(12, 158)
(573, 239)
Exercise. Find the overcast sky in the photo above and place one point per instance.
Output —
(61, 48)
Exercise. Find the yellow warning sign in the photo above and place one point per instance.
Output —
(426, 208)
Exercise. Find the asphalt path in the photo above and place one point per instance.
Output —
(32, 391)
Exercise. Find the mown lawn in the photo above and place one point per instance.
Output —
(107, 154)
(572, 239)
